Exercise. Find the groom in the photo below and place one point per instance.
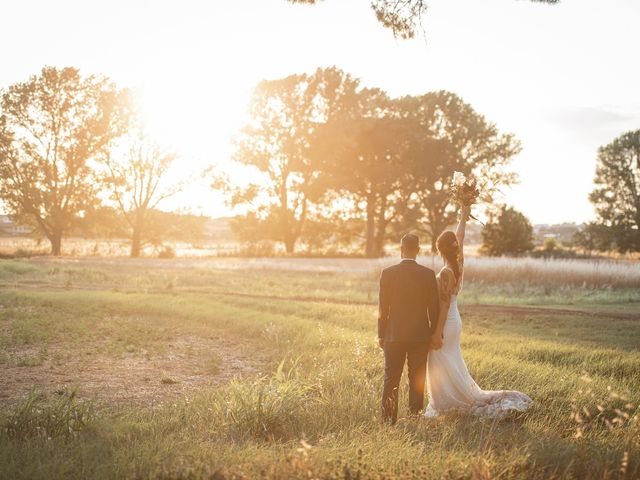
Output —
(408, 313)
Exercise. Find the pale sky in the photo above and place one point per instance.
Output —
(564, 79)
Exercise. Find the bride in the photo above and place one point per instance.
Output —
(450, 387)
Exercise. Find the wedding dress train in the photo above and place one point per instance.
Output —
(450, 387)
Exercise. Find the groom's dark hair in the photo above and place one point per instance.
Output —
(410, 245)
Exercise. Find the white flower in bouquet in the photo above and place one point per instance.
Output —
(458, 179)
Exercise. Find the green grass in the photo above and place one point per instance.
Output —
(359, 285)
(313, 413)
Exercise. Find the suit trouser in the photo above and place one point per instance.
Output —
(395, 355)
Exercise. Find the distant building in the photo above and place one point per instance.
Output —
(562, 232)
(9, 228)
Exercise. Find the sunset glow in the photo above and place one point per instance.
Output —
(231, 231)
(194, 68)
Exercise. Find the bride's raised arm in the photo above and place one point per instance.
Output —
(465, 211)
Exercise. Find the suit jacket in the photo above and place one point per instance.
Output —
(408, 305)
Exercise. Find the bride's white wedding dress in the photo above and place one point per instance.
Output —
(450, 387)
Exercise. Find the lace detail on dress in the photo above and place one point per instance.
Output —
(446, 284)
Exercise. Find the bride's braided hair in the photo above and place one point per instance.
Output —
(448, 247)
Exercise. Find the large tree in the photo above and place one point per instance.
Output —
(362, 153)
(135, 176)
(52, 127)
(403, 17)
(278, 143)
(448, 135)
(616, 196)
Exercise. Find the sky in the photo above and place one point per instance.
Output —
(563, 78)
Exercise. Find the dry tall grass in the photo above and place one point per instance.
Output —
(488, 270)
(589, 273)
(537, 271)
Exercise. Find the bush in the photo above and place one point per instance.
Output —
(167, 252)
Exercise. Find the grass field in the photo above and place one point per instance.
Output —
(231, 368)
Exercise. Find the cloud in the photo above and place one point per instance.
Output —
(593, 120)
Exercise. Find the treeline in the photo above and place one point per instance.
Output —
(341, 163)
(338, 165)
(344, 165)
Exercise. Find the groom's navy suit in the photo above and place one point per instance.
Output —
(408, 311)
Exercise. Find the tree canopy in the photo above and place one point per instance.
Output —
(402, 17)
(508, 232)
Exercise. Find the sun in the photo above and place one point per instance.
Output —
(197, 115)
(194, 111)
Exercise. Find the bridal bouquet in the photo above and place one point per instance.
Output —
(464, 191)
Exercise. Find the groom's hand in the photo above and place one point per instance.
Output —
(436, 344)
(381, 342)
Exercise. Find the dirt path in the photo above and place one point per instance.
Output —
(138, 378)
(533, 310)
(497, 309)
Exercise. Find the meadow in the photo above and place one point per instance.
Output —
(268, 368)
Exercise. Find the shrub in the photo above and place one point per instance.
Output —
(167, 252)
(39, 416)
(267, 408)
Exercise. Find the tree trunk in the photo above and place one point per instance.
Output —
(378, 240)
(434, 238)
(138, 228)
(381, 228)
(378, 244)
(369, 247)
(286, 226)
(56, 243)
(436, 226)
(290, 245)
(136, 241)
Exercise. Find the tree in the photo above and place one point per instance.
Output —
(52, 127)
(133, 176)
(361, 151)
(594, 236)
(508, 232)
(403, 17)
(278, 143)
(448, 135)
(616, 196)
